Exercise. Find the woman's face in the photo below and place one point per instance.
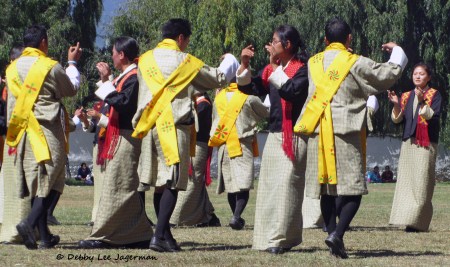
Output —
(278, 48)
(420, 77)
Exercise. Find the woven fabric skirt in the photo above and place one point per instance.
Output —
(415, 186)
(278, 214)
(121, 217)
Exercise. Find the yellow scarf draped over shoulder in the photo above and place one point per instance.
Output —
(22, 118)
(318, 109)
(228, 112)
(159, 110)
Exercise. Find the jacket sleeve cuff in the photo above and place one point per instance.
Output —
(244, 78)
(398, 57)
(278, 78)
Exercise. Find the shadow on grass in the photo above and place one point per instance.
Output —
(211, 247)
(391, 253)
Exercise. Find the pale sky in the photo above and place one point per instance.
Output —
(109, 9)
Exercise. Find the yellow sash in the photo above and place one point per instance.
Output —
(318, 109)
(228, 112)
(26, 93)
(159, 110)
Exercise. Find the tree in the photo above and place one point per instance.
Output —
(419, 26)
(67, 22)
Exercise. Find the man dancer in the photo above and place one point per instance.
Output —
(167, 77)
(335, 117)
(36, 85)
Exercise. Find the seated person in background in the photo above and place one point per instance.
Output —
(374, 175)
(387, 176)
(84, 174)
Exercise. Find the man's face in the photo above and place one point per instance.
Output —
(183, 42)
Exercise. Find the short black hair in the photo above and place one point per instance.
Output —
(33, 36)
(425, 66)
(15, 52)
(128, 46)
(337, 30)
(174, 27)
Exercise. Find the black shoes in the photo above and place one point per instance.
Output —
(237, 223)
(54, 240)
(51, 220)
(163, 245)
(277, 250)
(336, 246)
(27, 234)
(90, 244)
(411, 230)
(213, 222)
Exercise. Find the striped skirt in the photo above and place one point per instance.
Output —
(415, 186)
(121, 217)
(278, 215)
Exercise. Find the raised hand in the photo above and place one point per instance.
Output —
(388, 47)
(393, 98)
(246, 54)
(74, 53)
(103, 70)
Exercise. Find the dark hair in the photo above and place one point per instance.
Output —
(174, 27)
(33, 36)
(289, 33)
(425, 66)
(83, 164)
(128, 46)
(337, 30)
(15, 52)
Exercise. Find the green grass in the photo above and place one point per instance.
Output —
(371, 242)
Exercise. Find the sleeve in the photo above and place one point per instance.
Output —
(121, 101)
(261, 111)
(255, 87)
(64, 84)
(426, 112)
(296, 89)
(397, 119)
(209, 78)
(103, 122)
(74, 76)
(374, 78)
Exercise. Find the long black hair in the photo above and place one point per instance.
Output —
(290, 33)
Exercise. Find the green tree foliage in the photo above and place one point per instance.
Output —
(67, 22)
(419, 26)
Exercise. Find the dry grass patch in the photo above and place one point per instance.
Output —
(371, 242)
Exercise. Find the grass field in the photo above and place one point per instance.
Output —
(369, 243)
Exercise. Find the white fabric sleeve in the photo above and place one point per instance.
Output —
(426, 112)
(110, 78)
(278, 77)
(103, 121)
(398, 57)
(244, 78)
(397, 119)
(372, 102)
(229, 67)
(74, 76)
(76, 120)
(104, 90)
